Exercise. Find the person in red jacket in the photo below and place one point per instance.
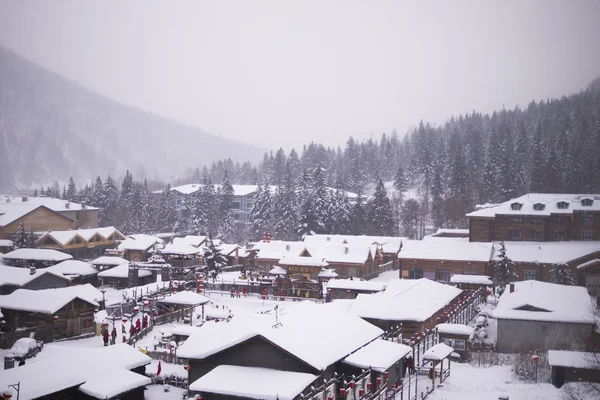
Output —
(105, 337)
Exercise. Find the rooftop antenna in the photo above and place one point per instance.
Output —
(277, 323)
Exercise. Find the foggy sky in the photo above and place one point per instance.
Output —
(284, 73)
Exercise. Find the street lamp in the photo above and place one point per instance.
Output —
(103, 291)
(7, 394)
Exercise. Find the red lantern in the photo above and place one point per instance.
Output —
(105, 324)
(55, 318)
(342, 392)
(187, 367)
(378, 381)
(352, 384)
(368, 386)
(330, 397)
(534, 358)
(146, 303)
(95, 310)
(2, 324)
(6, 395)
(124, 320)
(361, 392)
(385, 375)
(136, 309)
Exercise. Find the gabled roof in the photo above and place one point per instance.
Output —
(180, 249)
(278, 249)
(122, 271)
(187, 298)
(139, 242)
(405, 300)
(112, 383)
(471, 279)
(10, 212)
(446, 249)
(378, 355)
(64, 237)
(573, 359)
(49, 301)
(342, 253)
(192, 240)
(14, 276)
(564, 303)
(356, 284)
(300, 334)
(49, 202)
(389, 244)
(73, 267)
(303, 261)
(528, 201)
(109, 260)
(37, 255)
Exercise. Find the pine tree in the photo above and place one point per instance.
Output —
(146, 209)
(381, 219)
(400, 182)
(320, 198)
(166, 212)
(184, 216)
(21, 240)
(411, 212)
(285, 215)
(199, 214)
(260, 216)
(438, 212)
(227, 194)
(214, 259)
(110, 197)
(504, 269)
(35, 193)
(561, 274)
(125, 205)
(358, 216)
(228, 232)
(71, 190)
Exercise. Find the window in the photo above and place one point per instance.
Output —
(352, 272)
(442, 275)
(529, 275)
(516, 206)
(587, 220)
(49, 241)
(586, 202)
(539, 206)
(236, 216)
(563, 205)
(466, 272)
(536, 220)
(416, 273)
(456, 344)
(515, 234)
(236, 205)
(587, 235)
(516, 220)
(558, 235)
(557, 220)
(76, 215)
(535, 235)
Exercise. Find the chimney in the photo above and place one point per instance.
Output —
(83, 206)
(67, 205)
(32, 271)
(346, 250)
(24, 199)
(287, 247)
(512, 287)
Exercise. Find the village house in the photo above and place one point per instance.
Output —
(41, 214)
(55, 313)
(107, 262)
(350, 288)
(305, 345)
(471, 282)
(573, 366)
(80, 272)
(38, 258)
(301, 276)
(539, 315)
(540, 217)
(192, 240)
(114, 372)
(456, 336)
(347, 260)
(414, 303)
(269, 253)
(139, 248)
(6, 246)
(13, 278)
(81, 243)
(124, 276)
(450, 233)
(181, 254)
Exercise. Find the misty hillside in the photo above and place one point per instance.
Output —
(52, 128)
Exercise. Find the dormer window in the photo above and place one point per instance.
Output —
(539, 206)
(563, 205)
(516, 206)
(586, 201)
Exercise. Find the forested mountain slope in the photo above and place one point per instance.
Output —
(52, 128)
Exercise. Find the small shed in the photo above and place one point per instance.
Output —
(470, 282)
(573, 366)
(13, 278)
(122, 276)
(5, 246)
(38, 258)
(187, 299)
(380, 356)
(80, 272)
(436, 355)
(456, 336)
(350, 288)
(107, 262)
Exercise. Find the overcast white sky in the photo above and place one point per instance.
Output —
(284, 73)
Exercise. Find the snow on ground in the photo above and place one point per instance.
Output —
(467, 382)
(157, 392)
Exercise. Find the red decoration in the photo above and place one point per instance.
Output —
(385, 375)
(361, 392)
(146, 303)
(2, 324)
(187, 367)
(95, 310)
(6, 395)
(55, 318)
(329, 397)
(352, 384)
(534, 358)
(368, 386)
(378, 381)
(342, 391)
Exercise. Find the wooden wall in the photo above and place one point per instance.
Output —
(431, 266)
(479, 229)
(39, 220)
(83, 218)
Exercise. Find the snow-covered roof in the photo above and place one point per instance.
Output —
(64, 237)
(109, 260)
(389, 244)
(356, 284)
(557, 303)
(50, 202)
(548, 200)
(122, 271)
(75, 368)
(438, 352)
(228, 248)
(441, 232)
(303, 261)
(588, 263)
(73, 267)
(300, 334)
(574, 359)
(6, 243)
(327, 273)
(342, 253)
(473, 279)
(548, 252)
(446, 249)
(49, 301)
(187, 298)
(15, 276)
(252, 382)
(139, 242)
(276, 250)
(378, 355)
(405, 300)
(277, 270)
(455, 329)
(37, 255)
(192, 240)
(181, 249)
(113, 382)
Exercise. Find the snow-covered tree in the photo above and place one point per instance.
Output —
(23, 238)
(381, 218)
(260, 215)
(358, 217)
(285, 215)
(504, 269)
(110, 198)
(228, 231)
(411, 215)
(561, 274)
(184, 216)
(71, 190)
(214, 259)
(400, 182)
(166, 212)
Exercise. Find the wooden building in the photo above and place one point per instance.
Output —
(351, 288)
(456, 336)
(81, 243)
(538, 217)
(80, 272)
(573, 366)
(269, 253)
(139, 248)
(6, 246)
(122, 276)
(347, 261)
(55, 313)
(38, 258)
(13, 278)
